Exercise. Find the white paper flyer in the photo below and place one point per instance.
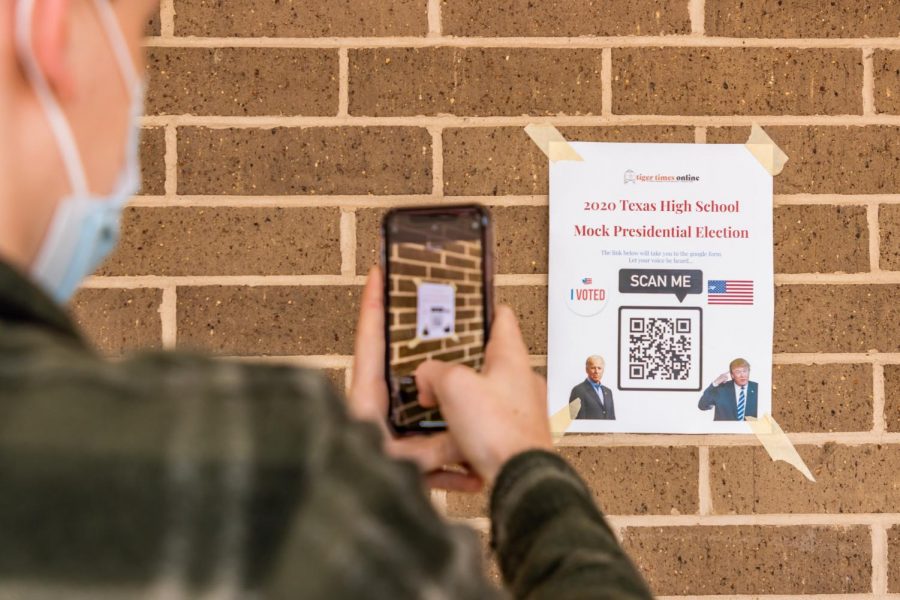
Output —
(661, 288)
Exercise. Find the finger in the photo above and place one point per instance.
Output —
(435, 380)
(506, 347)
(368, 357)
(454, 481)
(429, 452)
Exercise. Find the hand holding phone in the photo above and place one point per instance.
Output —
(492, 415)
(437, 290)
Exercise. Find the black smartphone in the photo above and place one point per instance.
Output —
(438, 297)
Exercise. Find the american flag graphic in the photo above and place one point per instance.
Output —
(729, 291)
(587, 281)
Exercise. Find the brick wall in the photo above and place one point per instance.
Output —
(277, 133)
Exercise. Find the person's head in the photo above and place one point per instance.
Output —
(740, 371)
(594, 366)
(70, 70)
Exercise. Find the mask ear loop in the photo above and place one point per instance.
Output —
(119, 45)
(59, 125)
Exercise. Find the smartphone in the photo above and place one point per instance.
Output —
(438, 297)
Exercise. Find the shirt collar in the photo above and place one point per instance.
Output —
(21, 301)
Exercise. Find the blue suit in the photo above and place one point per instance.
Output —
(591, 405)
(724, 398)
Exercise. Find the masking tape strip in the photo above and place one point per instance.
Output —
(777, 444)
(551, 142)
(769, 155)
(561, 419)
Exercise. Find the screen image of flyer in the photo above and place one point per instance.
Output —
(436, 305)
(661, 288)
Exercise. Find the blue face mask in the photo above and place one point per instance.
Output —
(85, 227)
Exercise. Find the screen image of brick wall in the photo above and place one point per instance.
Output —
(275, 139)
(456, 264)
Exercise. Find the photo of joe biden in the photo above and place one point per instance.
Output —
(596, 398)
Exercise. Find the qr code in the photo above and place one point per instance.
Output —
(660, 348)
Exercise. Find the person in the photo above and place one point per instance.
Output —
(175, 475)
(596, 399)
(732, 394)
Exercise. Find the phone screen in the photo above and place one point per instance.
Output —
(437, 287)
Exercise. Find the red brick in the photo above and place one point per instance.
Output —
(625, 481)
(889, 226)
(242, 81)
(316, 160)
(119, 321)
(474, 81)
(887, 80)
(228, 241)
(779, 19)
(894, 559)
(310, 18)
(267, 320)
(736, 81)
(892, 397)
(568, 18)
(838, 318)
(822, 398)
(153, 161)
(849, 479)
(830, 160)
(729, 560)
(530, 306)
(821, 239)
(504, 161)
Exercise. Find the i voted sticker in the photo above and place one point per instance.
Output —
(586, 297)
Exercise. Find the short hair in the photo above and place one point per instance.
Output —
(738, 362)
(587, 362)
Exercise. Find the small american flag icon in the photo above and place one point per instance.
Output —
(729, 291)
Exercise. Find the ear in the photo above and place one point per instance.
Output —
(50, 36)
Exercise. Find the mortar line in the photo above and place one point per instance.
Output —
(168, 316)
(434, 19)
(879, 559)
(348, 242)
(873, 358)
(704, 491)
(606, 77)
(437, 161)
(158, 281)
(763, 519)
(872, 211)
(612, 440)
(540, 360)
(473, 121)
(879, 418)
(327, 361)
(346, 201)
(166, 20)
(837, 278)
(171, 160)
(700, 135)
(439, 501)
(868, 83)
(760, 520)
(363, 201)
(348, 379)
(697, 13)
(783, 597)
(343, 82)
(692, 40)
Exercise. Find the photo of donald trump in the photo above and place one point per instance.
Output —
(596, 399)
(732, 394)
